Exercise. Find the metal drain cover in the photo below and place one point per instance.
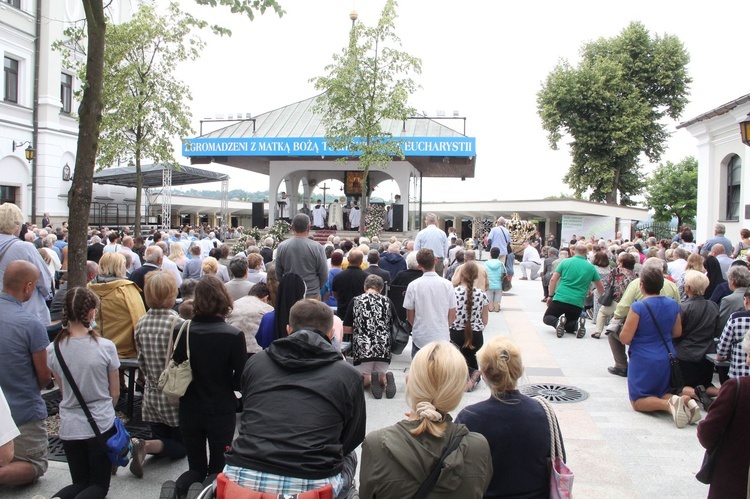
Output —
(559, 394)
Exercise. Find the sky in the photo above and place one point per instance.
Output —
(485, 59)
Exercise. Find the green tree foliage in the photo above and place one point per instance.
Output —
(368, 82)
(90, 117)
(613, 106)
(145, 106)
(672, 191)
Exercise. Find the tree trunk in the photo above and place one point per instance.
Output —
(138, 190)
(90, 113)
(365, 202)
(611, 197)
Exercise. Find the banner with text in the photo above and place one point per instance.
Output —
(317, 146)
(587, 226)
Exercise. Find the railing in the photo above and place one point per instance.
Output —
(660, 230)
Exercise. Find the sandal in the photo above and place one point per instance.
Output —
(596, 335)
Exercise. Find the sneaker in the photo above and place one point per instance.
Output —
(693, 412)
(581, 327)
(390, 385)
(561, 326)
(677, 408)
(375, 386)
(168, 490)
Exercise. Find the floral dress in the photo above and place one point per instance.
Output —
(369, 316)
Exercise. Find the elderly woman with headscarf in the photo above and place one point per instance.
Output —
(273, 324)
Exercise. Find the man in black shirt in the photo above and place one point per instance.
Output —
(349, 283)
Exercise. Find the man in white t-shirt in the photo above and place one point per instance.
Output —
(430, 304)
(531, 261)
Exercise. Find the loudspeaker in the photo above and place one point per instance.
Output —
(258, 215)
(398, 217)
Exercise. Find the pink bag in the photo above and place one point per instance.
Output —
(561, 477)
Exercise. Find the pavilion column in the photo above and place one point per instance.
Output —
(293, 183)
(403, 186)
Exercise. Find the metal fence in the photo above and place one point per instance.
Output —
(660, 230)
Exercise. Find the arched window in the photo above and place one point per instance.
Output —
(734, 181)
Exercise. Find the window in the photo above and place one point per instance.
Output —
(734, 176)
(7, 194)
(66, 92)
(13, 3)
(11, 80)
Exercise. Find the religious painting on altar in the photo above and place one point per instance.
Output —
(353, 183)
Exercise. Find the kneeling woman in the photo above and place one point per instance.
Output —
(93, 365)
(515, 425)
(397, 460)
(649, 328)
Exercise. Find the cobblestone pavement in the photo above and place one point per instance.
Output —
(614, 451)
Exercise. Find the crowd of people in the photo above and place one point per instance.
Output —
(276, 324)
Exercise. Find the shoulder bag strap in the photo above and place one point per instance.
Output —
(77, 393)
(658, 328)
(556, 448)
(10, 244)
(432, 478)
(177, 340)
(170, 345)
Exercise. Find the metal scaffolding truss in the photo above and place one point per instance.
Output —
(159, 179)
(166, 199)
(225, 203)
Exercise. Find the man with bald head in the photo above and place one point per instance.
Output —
(567, 291)
(349, 283)
(24, 372)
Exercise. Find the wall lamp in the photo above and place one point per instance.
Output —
(745, 130)
(29, 150)
(66, 173)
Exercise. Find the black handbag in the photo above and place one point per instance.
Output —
(676, 381)
(705, 474)
(607, 297)
(400, 331)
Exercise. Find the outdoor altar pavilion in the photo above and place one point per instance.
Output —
(288, 145)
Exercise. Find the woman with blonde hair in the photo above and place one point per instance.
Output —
(152, 337)
(11, 221)
(121, 304)
(515, 425)
(177, 255)
(694, 262)
(210, 266)
(397, 460)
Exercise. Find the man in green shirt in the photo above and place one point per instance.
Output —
(567, 291)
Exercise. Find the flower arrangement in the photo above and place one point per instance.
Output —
(279, 231)
(374, 220)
